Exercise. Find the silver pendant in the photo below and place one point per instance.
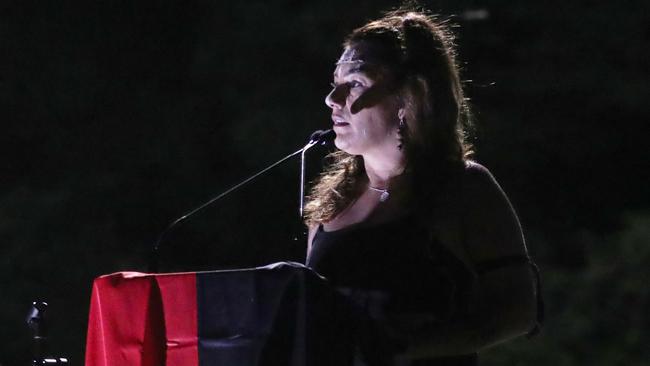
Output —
(384, 196)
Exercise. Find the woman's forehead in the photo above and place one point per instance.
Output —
(344, 69)
(360, 53)
(351, 55)
(361, 57)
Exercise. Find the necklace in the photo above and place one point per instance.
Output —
(384, 193)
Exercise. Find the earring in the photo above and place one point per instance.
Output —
(401, 128)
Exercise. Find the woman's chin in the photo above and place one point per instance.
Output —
(344, 145)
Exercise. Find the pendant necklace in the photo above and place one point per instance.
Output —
(383, 197)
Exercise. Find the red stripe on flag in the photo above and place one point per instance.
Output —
(178, 294)
(139, 319)
(125, 322)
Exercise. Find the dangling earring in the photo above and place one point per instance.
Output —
(401, 129)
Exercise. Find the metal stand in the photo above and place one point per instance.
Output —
(36, 322)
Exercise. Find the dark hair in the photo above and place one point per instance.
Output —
(419, 51)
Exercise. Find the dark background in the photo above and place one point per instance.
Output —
(118, 116)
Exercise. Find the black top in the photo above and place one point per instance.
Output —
(393, 268)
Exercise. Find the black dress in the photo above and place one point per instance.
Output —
(393, 268)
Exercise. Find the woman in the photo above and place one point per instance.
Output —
(422, 239)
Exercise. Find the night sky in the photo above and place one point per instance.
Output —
(119, 116)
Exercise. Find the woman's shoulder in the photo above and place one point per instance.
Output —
(485, 202)
(477, 180)
(475, 195)
(466, 181)
(474, 170)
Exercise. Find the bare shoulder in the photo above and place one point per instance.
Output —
(481, 189)
(476, 174)
(491, 225)
(310, 235)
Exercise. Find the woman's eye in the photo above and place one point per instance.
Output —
(354, 84)
(350, 84)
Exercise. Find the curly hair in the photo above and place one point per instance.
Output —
(418, 50)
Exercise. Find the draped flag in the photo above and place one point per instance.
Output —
(281, 314)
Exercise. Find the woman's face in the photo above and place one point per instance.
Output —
(364, 105)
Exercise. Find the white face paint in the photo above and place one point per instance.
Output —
(350, 56)
(364, 106)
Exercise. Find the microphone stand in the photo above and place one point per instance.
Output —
(318, 137)
(38, 325)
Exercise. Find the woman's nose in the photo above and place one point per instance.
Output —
(335, 99)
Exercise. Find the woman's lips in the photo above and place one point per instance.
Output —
(339, 122)
(340, 126)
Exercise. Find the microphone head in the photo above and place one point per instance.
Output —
(315, 135)
(322, 137)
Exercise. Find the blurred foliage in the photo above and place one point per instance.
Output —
(117, 117)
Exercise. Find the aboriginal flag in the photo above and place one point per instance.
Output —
(282, 314)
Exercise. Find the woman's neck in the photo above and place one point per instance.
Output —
(380, 172)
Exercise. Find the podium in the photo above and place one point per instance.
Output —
(281, 314)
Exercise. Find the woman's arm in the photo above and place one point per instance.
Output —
(504, 303)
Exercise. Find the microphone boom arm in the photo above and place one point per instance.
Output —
(153, 262)
(318, 137)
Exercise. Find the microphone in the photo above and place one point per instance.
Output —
(322, 136)
(317, 137)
